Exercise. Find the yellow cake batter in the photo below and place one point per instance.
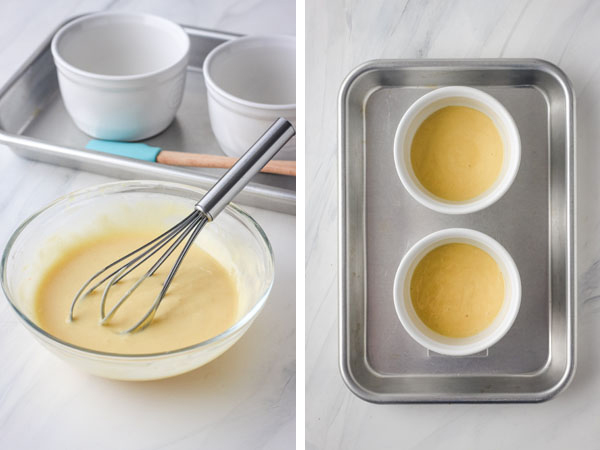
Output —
(201, 302)
(457, 153)
(457, 290)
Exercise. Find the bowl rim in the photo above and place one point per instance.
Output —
(497, 251)
(62, 64)
(492, 195)
(278, 39)
(33, 327)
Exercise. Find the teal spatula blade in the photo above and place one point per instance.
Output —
(135, 150)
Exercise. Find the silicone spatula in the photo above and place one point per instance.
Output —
(145, 152)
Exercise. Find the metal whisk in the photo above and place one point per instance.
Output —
(211, 204)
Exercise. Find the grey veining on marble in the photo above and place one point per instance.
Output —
(344, 34)
(244, 399)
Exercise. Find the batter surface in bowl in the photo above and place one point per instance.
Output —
(457, 290)
(457, 153)
(201, 302)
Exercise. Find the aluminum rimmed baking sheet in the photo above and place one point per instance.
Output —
(379, 222)
(35, 124)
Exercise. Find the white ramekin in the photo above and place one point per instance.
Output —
(457, 96)
(121, 75)
(251, 81)
(435, 341)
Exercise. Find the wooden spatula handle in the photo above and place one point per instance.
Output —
(220, 162)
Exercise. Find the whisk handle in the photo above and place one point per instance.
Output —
(234, 180)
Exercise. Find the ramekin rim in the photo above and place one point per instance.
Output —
(212, 85)
(442, 235)
(428, 200)
(63, 65)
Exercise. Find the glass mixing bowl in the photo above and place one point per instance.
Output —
(233, 238)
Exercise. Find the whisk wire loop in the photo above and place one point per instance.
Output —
(209, 206)
(82, 292)
(149, 316)
(198, 221)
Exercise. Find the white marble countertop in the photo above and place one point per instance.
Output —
(347, 33)
(245, 398)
